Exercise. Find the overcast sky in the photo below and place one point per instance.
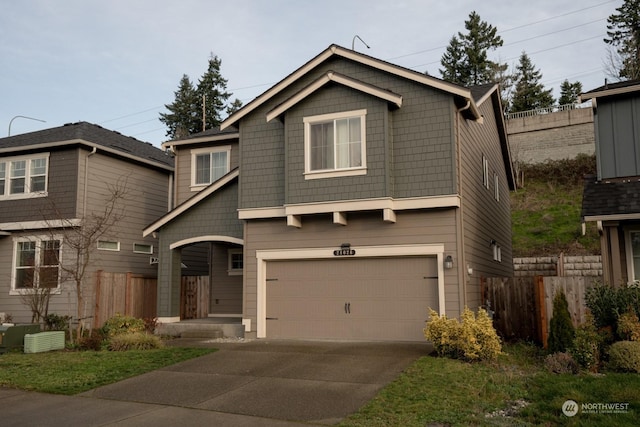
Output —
(116, 63)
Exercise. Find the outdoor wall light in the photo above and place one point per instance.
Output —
(448, 262)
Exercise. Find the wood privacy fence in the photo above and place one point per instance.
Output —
(194, 297)
(124, 293)
(523, 306)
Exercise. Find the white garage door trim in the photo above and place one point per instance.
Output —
(266, 255)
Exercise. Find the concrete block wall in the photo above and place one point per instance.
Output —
(553, 136)
(589, 265)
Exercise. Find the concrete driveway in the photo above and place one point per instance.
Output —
(270, 383)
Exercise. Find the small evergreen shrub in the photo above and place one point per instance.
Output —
(629, 326)
(119, 324)
(54, 322)
(472, 340)
(586, 345)
(561, 330)
(561, 363)
(134, 341)
(608, 305)
(624, 356)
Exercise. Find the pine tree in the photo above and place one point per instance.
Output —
(182, 118)
(529, 93)
(569, 92)
(212, 92)
(623, 34)
(207, 101)
(561, 330)
(465, 61)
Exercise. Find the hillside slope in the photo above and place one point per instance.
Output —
(545, 210)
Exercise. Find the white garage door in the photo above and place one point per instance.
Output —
(355, 298)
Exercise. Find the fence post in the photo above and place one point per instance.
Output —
(97, 298)
(541, 309)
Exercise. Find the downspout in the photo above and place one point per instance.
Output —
(463, 276)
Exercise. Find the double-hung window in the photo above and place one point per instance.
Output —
(209, 165)
(36, 263)
(23, 176)
(632, 239)
(335, 144)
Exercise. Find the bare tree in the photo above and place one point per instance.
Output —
(76, 253)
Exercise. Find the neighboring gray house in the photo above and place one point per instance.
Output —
(52, 180)
(364, 194)
(612, 198)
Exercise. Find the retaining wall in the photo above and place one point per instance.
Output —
(561, 265)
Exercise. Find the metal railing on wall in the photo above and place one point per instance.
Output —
(547, 110)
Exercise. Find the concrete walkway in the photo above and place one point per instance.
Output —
(256, 383)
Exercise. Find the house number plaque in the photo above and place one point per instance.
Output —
(344, 252)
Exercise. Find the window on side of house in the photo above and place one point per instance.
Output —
(335, 144)
(485, 172)
(36, 263)
(209, 165)
(142, 248)
(22, 177)
(497, 252)
(496, 187)
(236, 262)
(108, 245)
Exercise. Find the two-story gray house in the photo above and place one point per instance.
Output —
(612, 198)
(362, 193)
(53, 181)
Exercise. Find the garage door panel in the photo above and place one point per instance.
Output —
(353, 298)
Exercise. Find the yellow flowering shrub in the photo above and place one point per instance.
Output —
(473, 339)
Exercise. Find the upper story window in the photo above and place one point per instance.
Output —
(485, 172)
(335, 144)
(36, 263)
(209, 164)
(22, 177)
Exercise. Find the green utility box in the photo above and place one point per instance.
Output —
(12, 337)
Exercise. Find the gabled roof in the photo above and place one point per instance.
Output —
(335, 50)
(90, 135)
(191, 202)
(610, 199)
(612, 89)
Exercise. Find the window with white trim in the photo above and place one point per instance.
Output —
(485, 172)
(209, 165)
(335, 143)
(142, 248)
(108, 245)
(496, 187)
(24, 176)
(497, 252)
(236, 262)
(633, 254)
(36, 263)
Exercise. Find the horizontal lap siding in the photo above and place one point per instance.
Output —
(363, 229)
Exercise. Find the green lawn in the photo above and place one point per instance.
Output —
(71, 372)
(439, 391)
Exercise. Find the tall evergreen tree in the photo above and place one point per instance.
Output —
(199, 108)
(569, 92)
(529, 93)
(623, 34)
(182, 118)
(212, 92)
(465, 61)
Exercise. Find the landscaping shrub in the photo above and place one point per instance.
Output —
(586, 345)
(561, 363)
(119, 324)
(608, 304)
(134, 341)
(473, 339)
(629, 326)
(150, 324)
(624, 356)
(93, 341)
(561, 330)
(54, 322)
